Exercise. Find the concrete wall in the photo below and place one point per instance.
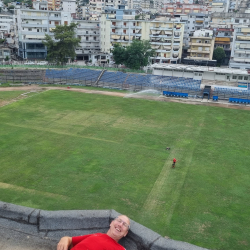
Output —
(57, 224)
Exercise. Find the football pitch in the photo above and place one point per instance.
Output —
(68, 150)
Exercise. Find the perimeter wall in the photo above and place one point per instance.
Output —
(57, 224)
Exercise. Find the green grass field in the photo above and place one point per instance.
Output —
(69, 150)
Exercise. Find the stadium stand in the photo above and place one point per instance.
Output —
(234, 95)
(120, 80)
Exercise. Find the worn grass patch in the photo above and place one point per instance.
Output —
(69, 150)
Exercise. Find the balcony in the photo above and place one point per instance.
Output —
(36, 50)
(199, 51)
(34, 17)
(31, 40)
(162, 50)
(32, 25)
(116, 26)
(198, 24)
(161, 28)
(204, 37)
(34, 33)
(197, 58)
(200, 44)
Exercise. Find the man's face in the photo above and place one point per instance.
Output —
(119, 227)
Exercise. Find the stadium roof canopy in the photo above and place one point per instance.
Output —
(195, 68)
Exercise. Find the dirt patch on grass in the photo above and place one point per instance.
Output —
(31, 191)
(119, 94)
(3, 103)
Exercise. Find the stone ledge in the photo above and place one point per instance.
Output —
(59, 223)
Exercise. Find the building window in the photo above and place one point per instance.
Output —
(29, 29)
(245, 77)
(234, 77)
(240, 77)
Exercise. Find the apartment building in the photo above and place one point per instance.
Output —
(6, 26)
(182, 8)
(240, 54)
(225, 20)
(96, 7)
(195, 21)
(219, 6)
(201, 48)
(40, 5)
(54, 4)
(31, 27)
(5, 52)
(134, 4)
(223, 37)
(89, 46)
(165, 36)
(179, 1)
(69, 6)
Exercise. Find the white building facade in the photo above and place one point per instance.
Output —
(31, 27)
(165, 37)
(240, 53)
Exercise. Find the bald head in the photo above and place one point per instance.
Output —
(119, 227)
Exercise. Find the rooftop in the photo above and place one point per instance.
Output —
(200, 68)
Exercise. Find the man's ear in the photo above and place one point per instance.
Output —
(125, 234)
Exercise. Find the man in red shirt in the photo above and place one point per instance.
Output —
(118, 228)
(174, 161)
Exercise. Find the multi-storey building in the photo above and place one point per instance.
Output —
(31, 27)
(6, 25)
(225, 20)
(96, 7)
(54, 4)
(240, 54)
(196, 21)
(69, 6)
(219, 6)
(134, 4)
(201, 48)
(179, 8)
(165, 36)
(223, 37)
(179, 1)
(40, 5)
(89, 46)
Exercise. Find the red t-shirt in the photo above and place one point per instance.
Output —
(96, 241)
(174, 160)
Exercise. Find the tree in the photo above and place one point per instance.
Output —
(219, 55)
(11, 7)
(63, 45)
(135, 55)
(119, 54)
